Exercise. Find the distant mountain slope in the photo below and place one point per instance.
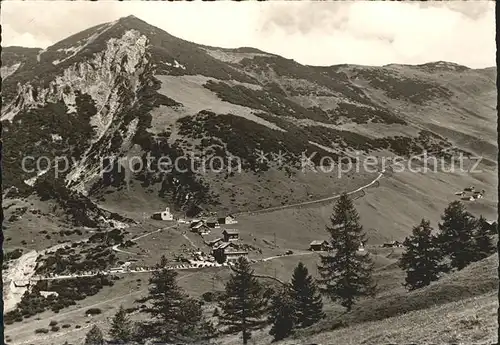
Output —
(127, 89)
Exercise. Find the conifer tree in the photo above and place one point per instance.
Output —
(281, 314)
(456, 237)
(422, 259)
(244, 305)
(346, 274)
(94, 336)
(121, 327)
(307, 302)
(174, 314)
(483, 241)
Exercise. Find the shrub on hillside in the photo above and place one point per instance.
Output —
(93, 311)
(41, 331)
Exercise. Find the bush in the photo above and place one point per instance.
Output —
(93, 311)
(66, 325)
(41, 330)
(52, 323)
(208, 296)
(54, 328)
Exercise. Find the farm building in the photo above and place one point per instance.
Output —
(199, 228)
(392, 244)
(227, 252)
(227, 220)
(232, 256)
(165, 215)
(212, 223)
(214, 242)
(230, 235)
(318, 245)
(491, 225)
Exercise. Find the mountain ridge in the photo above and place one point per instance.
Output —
(338, 106)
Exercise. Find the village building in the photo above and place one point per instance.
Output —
(196, 224)
(319, 245)
(230, 235)
(233, 256)
(214, 242)
(228, 251)
(165, 215)
(491, 225)
(392, 244)
(212, 223)
(229, 219)
(200, 228)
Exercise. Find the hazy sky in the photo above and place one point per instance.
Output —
(315, 33)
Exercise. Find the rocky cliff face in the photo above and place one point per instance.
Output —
(127, 89)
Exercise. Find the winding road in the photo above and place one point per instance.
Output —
(333, 197)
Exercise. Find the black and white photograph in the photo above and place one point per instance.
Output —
(249, 173)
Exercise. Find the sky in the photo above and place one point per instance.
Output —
(314, 33)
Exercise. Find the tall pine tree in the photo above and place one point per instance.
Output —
(281, 314)
(346, 274)
(456, 237)
(244, 305)
(308, 305)
(175, 316)
(121, 327)
(422, 259)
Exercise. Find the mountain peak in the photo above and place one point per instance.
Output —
(131, 17)
(131, 20)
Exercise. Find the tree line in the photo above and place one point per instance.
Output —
(461, 240)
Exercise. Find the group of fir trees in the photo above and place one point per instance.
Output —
(345, 275)
(461, 240)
